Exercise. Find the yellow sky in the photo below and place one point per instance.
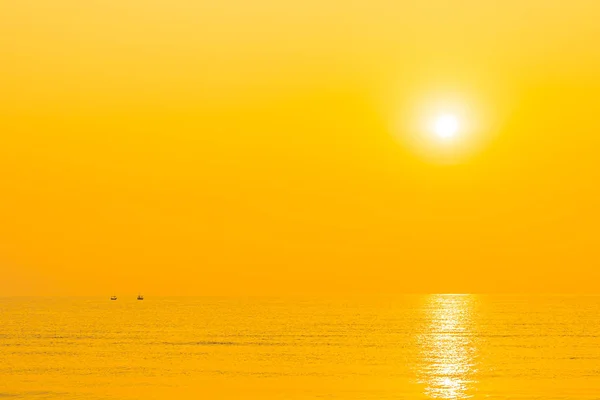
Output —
(264, 147)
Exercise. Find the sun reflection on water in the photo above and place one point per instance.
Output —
(447, 349)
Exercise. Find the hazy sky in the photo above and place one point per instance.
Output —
(271, 147)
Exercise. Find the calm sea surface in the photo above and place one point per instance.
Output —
(413, 347)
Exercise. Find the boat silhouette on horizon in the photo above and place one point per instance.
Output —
(140, 297)
(113, 297)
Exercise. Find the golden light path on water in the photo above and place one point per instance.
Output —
(448, 352)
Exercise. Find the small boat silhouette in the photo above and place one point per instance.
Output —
(140, 297)
(113, 297)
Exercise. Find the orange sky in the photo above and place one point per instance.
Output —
(236, 147)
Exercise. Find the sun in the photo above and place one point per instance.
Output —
(446, 126)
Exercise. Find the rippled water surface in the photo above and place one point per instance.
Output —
(412, 347)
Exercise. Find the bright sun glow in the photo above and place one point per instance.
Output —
(446, 126)
(443, 128)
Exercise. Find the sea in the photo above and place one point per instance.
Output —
(380, 347)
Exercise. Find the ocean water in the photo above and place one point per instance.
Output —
(408, 347)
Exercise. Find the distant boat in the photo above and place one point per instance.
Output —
(113, 297)
(140, 297)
